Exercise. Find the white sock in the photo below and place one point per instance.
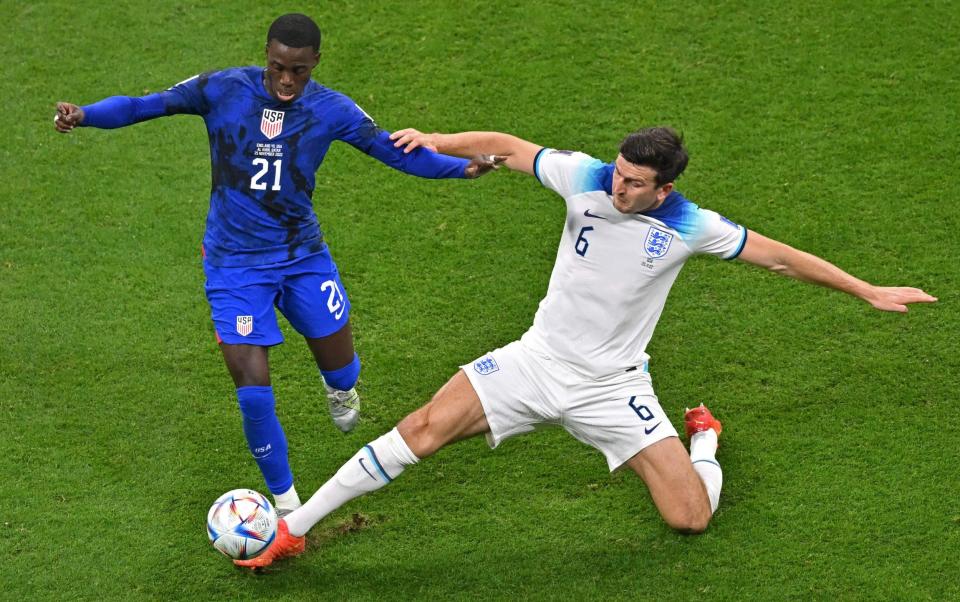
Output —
(288, 500)
(374, 466)
(703, 450)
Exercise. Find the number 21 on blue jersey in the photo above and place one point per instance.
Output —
(259, 179)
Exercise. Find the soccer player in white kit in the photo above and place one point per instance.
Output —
(583, 364)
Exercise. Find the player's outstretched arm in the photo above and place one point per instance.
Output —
(515, 153)
(68, 117)
(784, 259)
(120, 111)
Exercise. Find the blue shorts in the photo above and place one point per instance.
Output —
(306, 290)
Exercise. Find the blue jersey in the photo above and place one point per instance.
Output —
(264, 154)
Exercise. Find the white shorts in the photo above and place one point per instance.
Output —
(521, 389)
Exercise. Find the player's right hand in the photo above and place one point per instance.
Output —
(896, 298)
(68, 117)
(482, 164)
(410, 139)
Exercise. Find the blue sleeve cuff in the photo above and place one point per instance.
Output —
(743, 243)
(536, 164)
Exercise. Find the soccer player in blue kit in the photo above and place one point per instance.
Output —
(269, 129)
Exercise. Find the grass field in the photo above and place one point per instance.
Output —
(832, 126)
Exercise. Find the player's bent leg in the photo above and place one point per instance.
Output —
(676, 488)
(454, 413)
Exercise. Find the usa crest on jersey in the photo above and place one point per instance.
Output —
(657, 242)
(271, 124)
(244, 325)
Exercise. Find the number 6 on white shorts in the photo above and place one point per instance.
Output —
(642, 411)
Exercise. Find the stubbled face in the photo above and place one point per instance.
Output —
(635, 188)
(288, 70)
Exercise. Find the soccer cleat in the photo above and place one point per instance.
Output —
(700, 419)
(344, 407)
(284, 546)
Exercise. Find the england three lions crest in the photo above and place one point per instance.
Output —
(271, 124)
(657, 243)
(485, 365)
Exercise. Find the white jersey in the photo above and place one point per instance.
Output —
(613, 270)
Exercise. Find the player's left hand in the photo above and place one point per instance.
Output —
(68, 117)
(896, 298)
(483, 164)
(410, 138)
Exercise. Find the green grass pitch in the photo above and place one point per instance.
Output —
(832, 126)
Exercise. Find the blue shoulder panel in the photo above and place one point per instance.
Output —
(605, 173)
(678, 213)
(594, 175)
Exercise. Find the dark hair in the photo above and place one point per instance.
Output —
(659, 148)
(296, 31)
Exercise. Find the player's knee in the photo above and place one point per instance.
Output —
(256, 403)
(690, 521)
(344, 378)
(692, 527)
(419, 433)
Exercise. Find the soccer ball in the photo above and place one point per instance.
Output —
(241, 524)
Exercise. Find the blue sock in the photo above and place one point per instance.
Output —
(265, 436)
(343, 378)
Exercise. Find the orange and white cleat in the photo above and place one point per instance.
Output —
(700, 419)
(284, 546)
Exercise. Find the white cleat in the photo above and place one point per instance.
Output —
(344, 407)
